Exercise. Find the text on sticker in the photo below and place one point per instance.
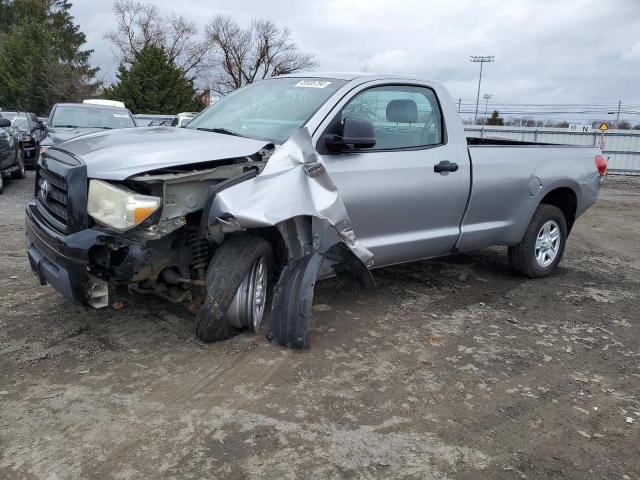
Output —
(313, 83)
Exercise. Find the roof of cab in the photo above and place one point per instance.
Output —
(349, 76)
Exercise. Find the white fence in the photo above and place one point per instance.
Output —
(622, 147)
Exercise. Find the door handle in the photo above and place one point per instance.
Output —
(445, 166)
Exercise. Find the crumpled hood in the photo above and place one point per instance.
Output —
(56, 136)
(119, 154)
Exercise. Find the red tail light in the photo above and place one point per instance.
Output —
(601, 165)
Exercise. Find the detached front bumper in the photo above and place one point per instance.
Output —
(63, 261)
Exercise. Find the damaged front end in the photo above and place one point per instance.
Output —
(158, 231)
(294, 193)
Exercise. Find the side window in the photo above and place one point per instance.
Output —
(403, 116)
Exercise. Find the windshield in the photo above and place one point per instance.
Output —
(270, 109)
(91, 117)
(18, 120)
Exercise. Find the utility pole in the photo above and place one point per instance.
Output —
(487, 97)
(481, 59)
(618, 114)
(459, 103)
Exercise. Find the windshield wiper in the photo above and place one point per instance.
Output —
(64, 126)
(225, 131)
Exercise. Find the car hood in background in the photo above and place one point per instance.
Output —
(119, 154)
(57, 135)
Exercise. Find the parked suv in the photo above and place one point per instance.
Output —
(31, 133)
(11, 162)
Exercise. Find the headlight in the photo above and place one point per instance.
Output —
(119, 209)
(43, 148)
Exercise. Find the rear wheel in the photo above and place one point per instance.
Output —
(21, 172)
(237, 285)
(543, 244)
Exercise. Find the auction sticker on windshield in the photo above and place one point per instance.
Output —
(120, 115)
(313, 83)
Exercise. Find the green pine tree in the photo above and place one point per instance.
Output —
(154, 84)
(25, 69)
(53, 68)
(495, 119)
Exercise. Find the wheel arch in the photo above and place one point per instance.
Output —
(278, 245)
(566, 200)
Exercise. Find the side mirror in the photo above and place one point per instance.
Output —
(4, 123)
(356, 132)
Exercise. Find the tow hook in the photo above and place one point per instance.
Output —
(98, 291)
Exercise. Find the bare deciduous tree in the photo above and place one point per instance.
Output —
(227, 57)
(139, 24)
(244, 55)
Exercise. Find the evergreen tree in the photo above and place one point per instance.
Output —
(25, 69)
(54, 68)
(154, 84)
(495, 119)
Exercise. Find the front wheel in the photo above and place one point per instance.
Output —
(237, 283)
(543, 244)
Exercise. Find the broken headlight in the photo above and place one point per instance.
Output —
(117, 208)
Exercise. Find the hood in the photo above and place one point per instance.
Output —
(119, 154)
(56, 135)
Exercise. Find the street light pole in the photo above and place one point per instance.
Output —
(487, 97)
(481, 60)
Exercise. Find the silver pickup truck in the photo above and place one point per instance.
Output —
(291, 180)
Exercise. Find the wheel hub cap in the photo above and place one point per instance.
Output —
(547, 243)
(247, 306)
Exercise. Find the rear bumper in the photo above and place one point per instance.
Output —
(61, 261)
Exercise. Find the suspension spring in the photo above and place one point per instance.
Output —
(199, 249)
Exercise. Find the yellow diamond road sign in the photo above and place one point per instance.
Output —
(603, 127)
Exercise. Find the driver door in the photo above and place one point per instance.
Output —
(400, 208)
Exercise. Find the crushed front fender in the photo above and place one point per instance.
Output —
(294, 185)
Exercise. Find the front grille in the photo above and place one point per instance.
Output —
(52, 198)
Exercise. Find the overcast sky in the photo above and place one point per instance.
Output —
(546, 51)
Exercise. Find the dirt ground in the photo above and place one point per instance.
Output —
(450, 368)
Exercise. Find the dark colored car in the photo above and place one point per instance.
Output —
(11, 162)
(70, 120)
(150, 120)
(32, 131)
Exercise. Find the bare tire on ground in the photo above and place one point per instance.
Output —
(21, 172)
(543, 244)
(236, 284)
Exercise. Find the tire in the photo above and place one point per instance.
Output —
(230, 264)
(21, 172)
(528, 258)
(1, 183)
